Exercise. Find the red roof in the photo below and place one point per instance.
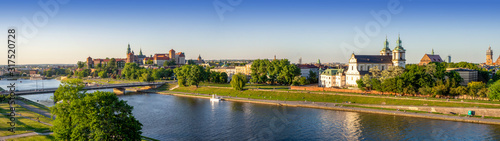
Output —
(181, 54)
(434, 58)
(107, 60)
(161, 57)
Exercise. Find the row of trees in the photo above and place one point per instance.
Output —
(431, 79)
(276, 71)
(188, 75)
(57, 72)
(92, 116)
(133, 71)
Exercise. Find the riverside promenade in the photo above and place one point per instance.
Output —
(340, 107)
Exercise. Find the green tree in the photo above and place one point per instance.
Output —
(195, 75)
(223, 77)
(376, 84)
(80, 64)
(146, 77)
(238, 81)
(361, 85)
(460, 90)
(112, 63)
(103, 74)
(214, 77)
(92, 116)
(494, 91)
(169, 63)
(259, 71)
(475, 87)
(366, 81)
(312, 77)
(181, 73)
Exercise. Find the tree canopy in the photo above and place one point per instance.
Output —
(92, 116)
(276, 71)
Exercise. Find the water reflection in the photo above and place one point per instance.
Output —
(181, 118)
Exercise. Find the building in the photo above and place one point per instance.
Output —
(360, 65)
(92, 63)
(230, 71)
(428, 58)
(200, 60)
(305, 68)
(332, 78)
(158, 59)
(489, 57)
(246, 69)
(468, 75)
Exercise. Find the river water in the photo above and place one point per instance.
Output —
(166, 117)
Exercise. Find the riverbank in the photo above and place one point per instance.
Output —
(341, 107)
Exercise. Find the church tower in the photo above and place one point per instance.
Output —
(398, 54)
(489, 56)
(386, 50)
(128, 49)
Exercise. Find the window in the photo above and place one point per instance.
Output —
(382, 67)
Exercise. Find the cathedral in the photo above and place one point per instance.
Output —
(359, 65)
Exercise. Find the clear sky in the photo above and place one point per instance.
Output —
(249, 29)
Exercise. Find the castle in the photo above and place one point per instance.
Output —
(158, 59)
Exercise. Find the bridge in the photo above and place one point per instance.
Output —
(117, 88)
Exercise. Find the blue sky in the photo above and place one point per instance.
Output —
(311, 29)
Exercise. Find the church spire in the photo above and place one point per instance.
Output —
(386, 50)
(432, 51)
(128, 48)
(140, 51)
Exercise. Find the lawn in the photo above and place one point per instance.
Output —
(35, 138)
(282, 95)
(248, 86)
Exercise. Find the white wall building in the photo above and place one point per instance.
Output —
(332, 78)
(305, 68)
(359, 65)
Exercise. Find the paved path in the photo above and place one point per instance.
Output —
(360, 95)
(177, 86)
(34, 109)
(23, 135)
(338, 106)
(19, 115)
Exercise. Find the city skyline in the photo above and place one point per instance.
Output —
(311, 30)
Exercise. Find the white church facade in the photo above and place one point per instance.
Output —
(359, 65)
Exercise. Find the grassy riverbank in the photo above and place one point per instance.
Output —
(23, 124)
(299, 96)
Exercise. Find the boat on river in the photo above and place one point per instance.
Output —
(215, 98)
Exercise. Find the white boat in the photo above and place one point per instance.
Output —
(215, 98)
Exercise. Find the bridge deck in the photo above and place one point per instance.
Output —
(96, 87)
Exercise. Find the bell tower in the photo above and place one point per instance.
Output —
(489, 56)
(398, 54)
(386, 50)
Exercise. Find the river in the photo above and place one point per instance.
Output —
(167, 117)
